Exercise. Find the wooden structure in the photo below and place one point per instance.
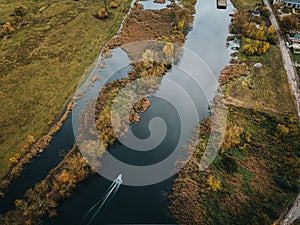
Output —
(221, 4)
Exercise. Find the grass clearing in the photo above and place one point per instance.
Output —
(245, 4)
(42, 62)
(266, 87)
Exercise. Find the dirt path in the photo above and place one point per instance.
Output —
(294, 211)
(236, 102)
(292, 214)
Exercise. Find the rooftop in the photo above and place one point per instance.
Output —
(293, 1)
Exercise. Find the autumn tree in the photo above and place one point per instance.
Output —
(214, 183)
(103, 12)
(282, 130)
(271, 35)
(232, 136)
(249, 30)
(239, 20)
(289, 22)
(7, 27)
(256, 48)
(260, 34)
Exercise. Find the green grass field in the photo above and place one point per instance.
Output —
(43, 61)
(245, 4)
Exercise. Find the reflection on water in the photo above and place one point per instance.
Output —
(149, 4)
(208, 38)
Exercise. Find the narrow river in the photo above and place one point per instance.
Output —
(146, 204)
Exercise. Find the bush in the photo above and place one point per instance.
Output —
(8, 28)
(113, 5)
(102, 14)
(289, 22)
(214, 183)
(283, 182)
(282, 130)
(15, 159)
(20, 11)
(265, 219)
(232, 137)
(264, 12)
(229, 164)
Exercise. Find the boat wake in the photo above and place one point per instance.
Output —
(95, 209)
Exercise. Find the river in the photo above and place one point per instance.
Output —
(146, 204)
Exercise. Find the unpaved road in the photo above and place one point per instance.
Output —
(288, 64)
(294, 212)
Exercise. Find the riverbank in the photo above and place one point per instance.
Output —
(42, 62)
(33, 148)
(42, 200)
(253, 179)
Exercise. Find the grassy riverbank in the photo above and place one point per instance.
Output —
(256, 174)
(42, 200)
(43, 60)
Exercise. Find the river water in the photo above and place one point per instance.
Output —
(147, 204)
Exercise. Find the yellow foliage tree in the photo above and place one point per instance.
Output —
(256, 47)
(249, 49)
(8, 28)
(293, 119)
(250, 30)
(282, 129)
(113, 5)
(260, 34)
(15, 159)
(232, 137)
(271, 30)
(180, 24)
(214, 183)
